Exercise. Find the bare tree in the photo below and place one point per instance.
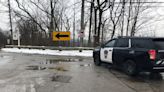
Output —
(29, 32)
(136, 15)
(129, 17)
(82, 22)
(47, 15)
(99, 9)
(29, 15)
(115, 15)
(90, 21)
(123, 17)
(10, 18)
(3, 38)
(103, 29)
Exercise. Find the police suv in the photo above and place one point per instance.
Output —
(132, 54)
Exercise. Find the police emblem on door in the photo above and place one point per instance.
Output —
(105, 53)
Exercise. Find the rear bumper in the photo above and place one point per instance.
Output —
(153, 67)
(158, 66)
(158, 69)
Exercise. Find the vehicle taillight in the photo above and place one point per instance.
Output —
(152, 54)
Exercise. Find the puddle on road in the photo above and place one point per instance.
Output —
(4, 56)
(85, 65)
(61, 78)
(56, 61)
(58, 68)
(35, 68)
(57, 64)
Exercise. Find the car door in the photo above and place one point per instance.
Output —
(106, 51)
(121, 50)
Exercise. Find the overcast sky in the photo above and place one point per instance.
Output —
(158, 25)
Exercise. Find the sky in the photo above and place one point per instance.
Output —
(158, 25)
(4, 18)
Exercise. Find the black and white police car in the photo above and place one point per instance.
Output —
(132, 54)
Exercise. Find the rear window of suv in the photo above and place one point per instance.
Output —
(159, 43)
(122, 43)
(142, 43)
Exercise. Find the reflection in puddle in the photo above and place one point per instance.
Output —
(35, 68)
(58, 68)
(85, 65)
(57, 64)
(56, 61)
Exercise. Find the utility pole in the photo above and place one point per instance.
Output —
(82, 23)
(11, 26)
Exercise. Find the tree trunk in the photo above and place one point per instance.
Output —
(128, 19)
(123, 14)
(11, 27)
(95, 25)
(99, 26)
(90, 22)
(102, 33)
(51, 22)
(113, 31)
(82, 22)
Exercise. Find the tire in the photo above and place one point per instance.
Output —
(97, 61)
(130, 68)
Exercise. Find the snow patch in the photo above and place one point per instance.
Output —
(86, 53)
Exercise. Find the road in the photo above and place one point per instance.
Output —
(42, 73)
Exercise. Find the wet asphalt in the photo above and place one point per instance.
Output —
(42, 73)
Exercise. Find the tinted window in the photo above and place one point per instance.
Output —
(159, 43)
(142, 43)
(110, 44)
(122, 43)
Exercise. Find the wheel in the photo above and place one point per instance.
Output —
(97, 60)
(130, 68)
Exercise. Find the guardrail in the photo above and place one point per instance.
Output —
(50, 47)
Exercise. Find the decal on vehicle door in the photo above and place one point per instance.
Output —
(106, 54)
